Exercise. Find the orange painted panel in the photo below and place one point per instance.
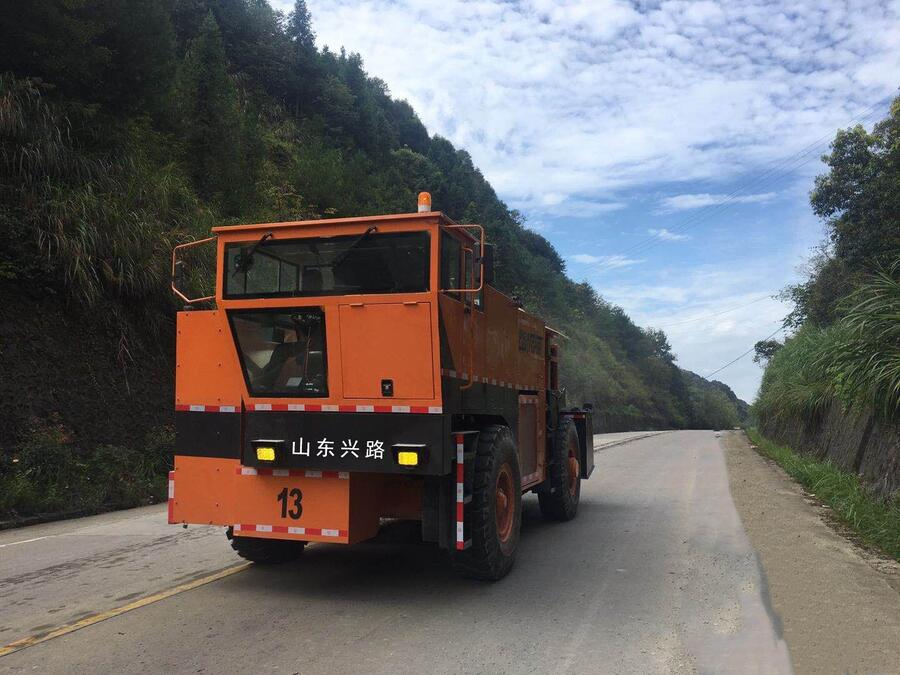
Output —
(207, 371)
(212, 491)
(387, 341)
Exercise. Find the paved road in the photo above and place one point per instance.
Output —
(602, 441)
(655, 575)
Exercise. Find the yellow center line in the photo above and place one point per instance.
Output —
(24, 643)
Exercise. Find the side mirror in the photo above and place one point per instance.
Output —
(178, 275)
(487, 264)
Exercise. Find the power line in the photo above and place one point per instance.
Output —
(768, 337)
(710, 316)
(779, 169)
(764, 178)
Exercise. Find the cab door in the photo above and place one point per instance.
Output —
(386, 350)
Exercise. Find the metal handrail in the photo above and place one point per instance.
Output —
(175, 261)
(480, 260)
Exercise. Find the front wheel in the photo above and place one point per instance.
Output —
(560, 496)
(494, 516)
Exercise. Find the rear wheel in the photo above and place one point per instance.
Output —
(559, 500)
(494, 516)
(266, 551)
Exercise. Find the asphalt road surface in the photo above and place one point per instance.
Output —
(655, 575)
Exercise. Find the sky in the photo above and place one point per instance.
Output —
(666, 149)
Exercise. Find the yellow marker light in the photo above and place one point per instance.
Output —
(265, 453)
(424, 202)
(406, 458)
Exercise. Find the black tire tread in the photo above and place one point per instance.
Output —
(556, 503)
(484, 559)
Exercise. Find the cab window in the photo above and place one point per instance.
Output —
(451, 263)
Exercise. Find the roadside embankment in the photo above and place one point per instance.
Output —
(858, 443)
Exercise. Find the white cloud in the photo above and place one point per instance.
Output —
(696, 201)
(604, 263)
(581, 99)
(612, 262)
(571, 206)
(667, 235)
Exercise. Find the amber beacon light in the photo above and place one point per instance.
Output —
(424, 202)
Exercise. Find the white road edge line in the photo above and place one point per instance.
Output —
(598, 448)
(25, 541)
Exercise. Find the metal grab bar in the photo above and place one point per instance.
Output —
(479, 261)
(176, 262)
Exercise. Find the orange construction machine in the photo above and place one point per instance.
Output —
(352, 370)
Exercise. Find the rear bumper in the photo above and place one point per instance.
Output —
(319, 441)
(277, 504)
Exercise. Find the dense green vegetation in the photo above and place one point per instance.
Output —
(846, 347)
(855, 360)
(127, 127)
(876, 522)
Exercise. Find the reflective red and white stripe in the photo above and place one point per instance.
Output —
(489, 380)
(302, 473)
(171, 497)
(185, 407)
(460, 492)
(286, 529)
(310, 407)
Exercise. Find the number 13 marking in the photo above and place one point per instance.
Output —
(297, 497)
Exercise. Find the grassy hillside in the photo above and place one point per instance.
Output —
(127, 127)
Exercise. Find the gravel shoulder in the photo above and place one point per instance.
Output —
(839, 605)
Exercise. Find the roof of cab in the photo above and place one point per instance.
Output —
(444, 220)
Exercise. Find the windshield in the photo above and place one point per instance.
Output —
(282, 352)
(371, 263)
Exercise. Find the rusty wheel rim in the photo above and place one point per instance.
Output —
(574, 468)
(506, 504)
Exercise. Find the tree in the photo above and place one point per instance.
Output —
(859, 200)
(765, 350)
(141, 40)
(714, 410)
(305, 73)
(661, 347)
(299, 28)
(211, 118)
(859, 197)
(57, 42)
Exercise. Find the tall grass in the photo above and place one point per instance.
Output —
(104, 223)
(877, 522)
(855, 361)
(865, 366)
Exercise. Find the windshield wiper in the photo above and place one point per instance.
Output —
(243, 262)
(343, 255)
